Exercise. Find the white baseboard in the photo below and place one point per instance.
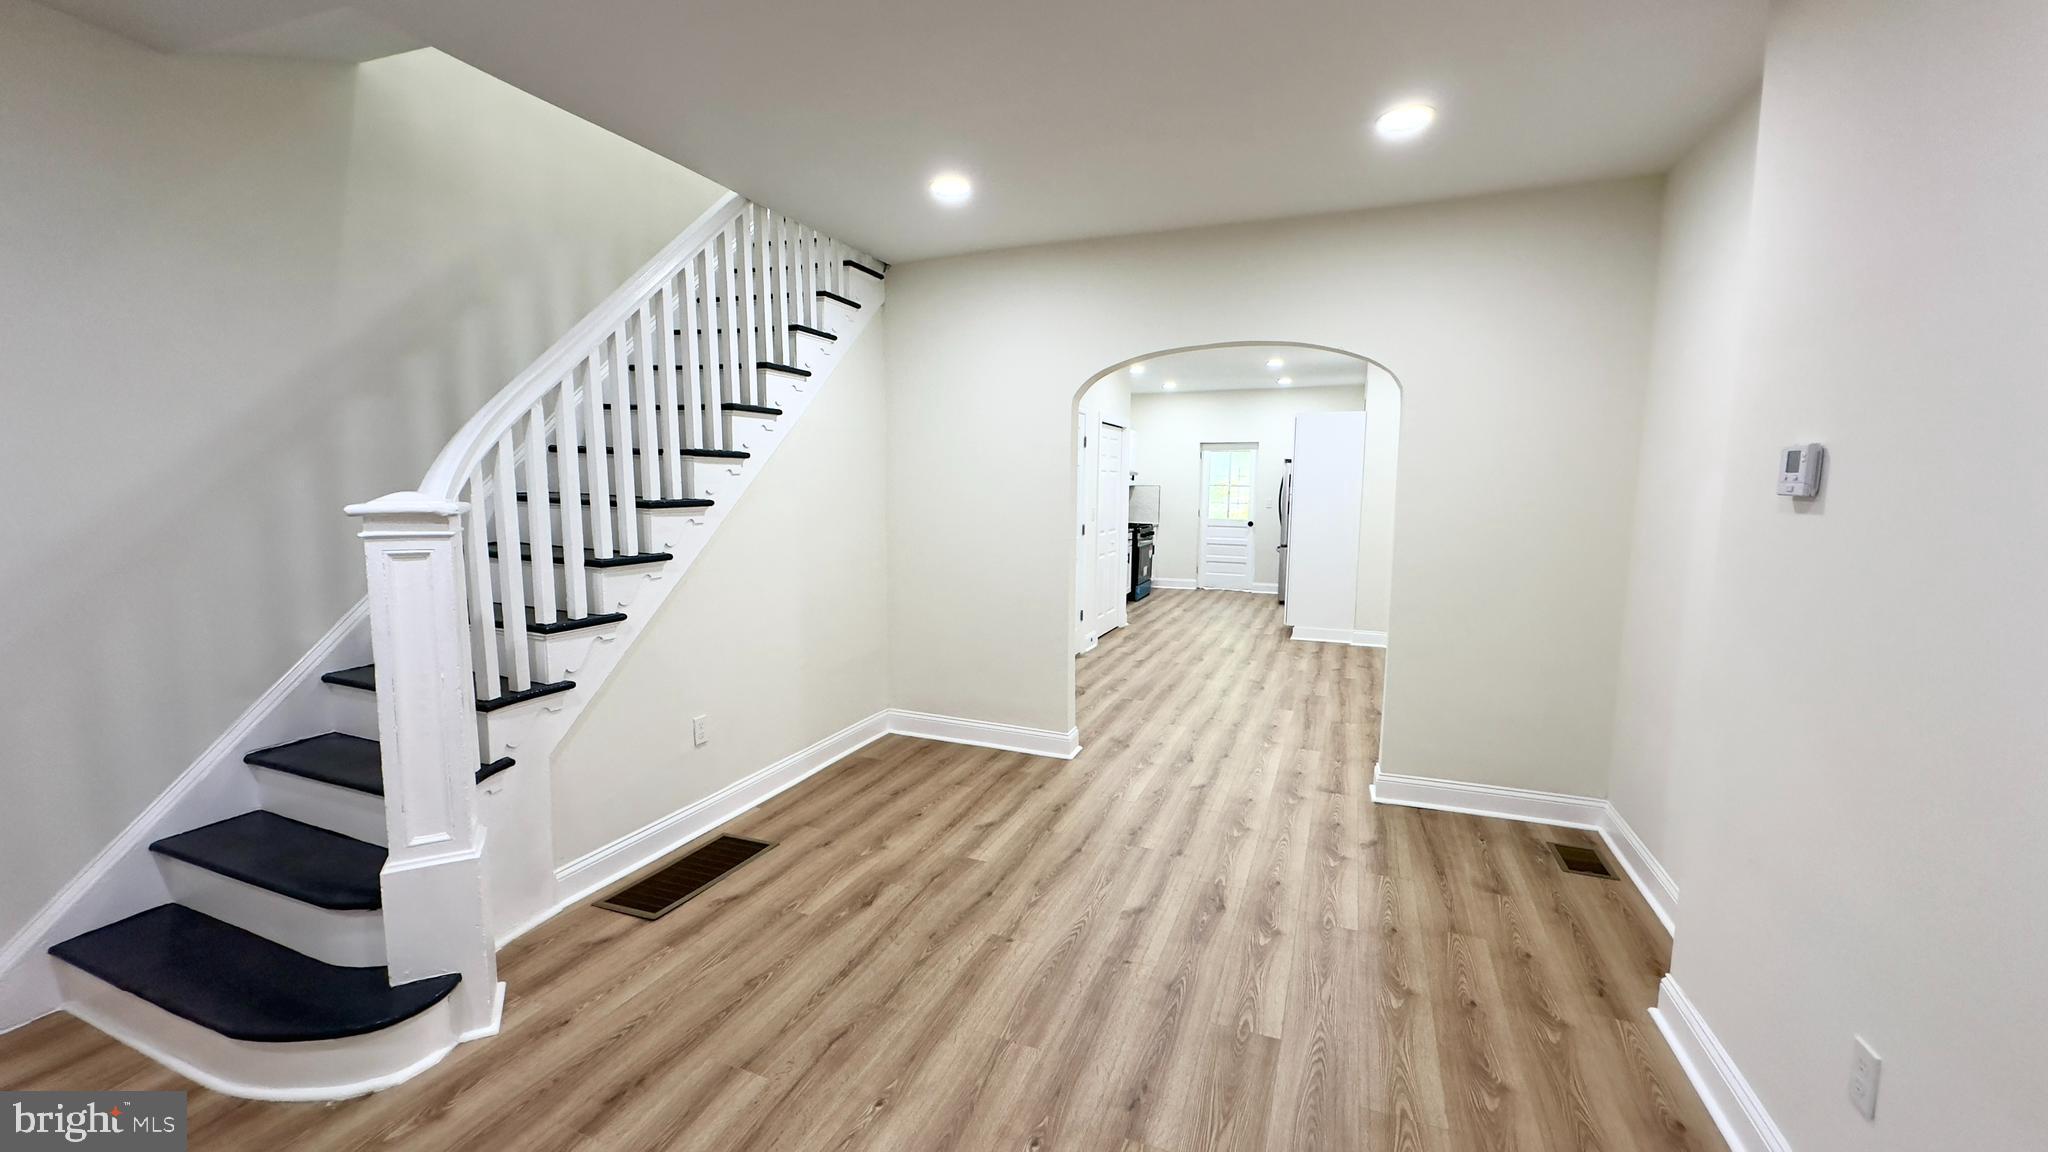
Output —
(1265, 588)
(1590, 813)
(986, 734)
(1357, 638)
(1656, 884)
(599, 868)
(1737, 1111)
(1180, 582)
(123, 879)
(581, 878)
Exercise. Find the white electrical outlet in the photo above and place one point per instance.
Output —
(1863, 1070)
(700, 730)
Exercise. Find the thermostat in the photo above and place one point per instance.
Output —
(1799, 470)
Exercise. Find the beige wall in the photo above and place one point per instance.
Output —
(1702, 284)
(779, 633)
(238, 294)
(1873, 663)
(1377, 500)
(1173, 426)
(1518, 326)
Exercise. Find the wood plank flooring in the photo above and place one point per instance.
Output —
(1200, 934)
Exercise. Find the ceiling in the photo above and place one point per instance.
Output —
(1074, 118)
(1239, 367)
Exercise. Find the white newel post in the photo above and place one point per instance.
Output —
(434, 911)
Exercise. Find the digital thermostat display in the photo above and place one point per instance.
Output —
(1799, 471)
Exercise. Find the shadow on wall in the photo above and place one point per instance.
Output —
(335, 267)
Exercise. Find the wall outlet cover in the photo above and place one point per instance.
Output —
(700, 730)
(1864, 1067)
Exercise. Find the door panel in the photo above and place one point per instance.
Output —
(1112, 524)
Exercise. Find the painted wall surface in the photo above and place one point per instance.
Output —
(1173, 426)
(1702, 287)
(1875, 660)
(237, 295)
(779, 633)
(1518, 326)
(1376, 521)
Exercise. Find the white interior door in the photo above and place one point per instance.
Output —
(1229, 477)
(1112, 528)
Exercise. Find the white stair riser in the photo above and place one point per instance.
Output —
(607, 589)
(306, 1070)
(350, 938)
(352, 710)
(864, 288)
(336, 809)
(557, 656)
(745, 430)
(655, 524)
(838, 317)
(700, 478)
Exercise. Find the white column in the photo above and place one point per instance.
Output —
(434, 911)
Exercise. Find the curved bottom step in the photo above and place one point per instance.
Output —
(303, 1070)
(250, 1017)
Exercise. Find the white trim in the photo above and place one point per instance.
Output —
(1589, 813)
(1178, 582)
(602, 867)
(1745, 1124)
(1649, 875)
(27, 990)
(986, 734)
(1555, 808)
(1357, 638)
(1265, 588)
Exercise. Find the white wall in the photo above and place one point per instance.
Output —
(239, 294)
(779, 633)
(1518, 326)
(1874, 662)
(1173, 426)
(1701, 289)
(1376, 504)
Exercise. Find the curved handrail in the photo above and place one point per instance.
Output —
(465, 451)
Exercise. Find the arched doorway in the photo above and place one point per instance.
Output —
(1186, 453)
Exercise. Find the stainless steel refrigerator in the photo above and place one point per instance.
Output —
(1286, 482)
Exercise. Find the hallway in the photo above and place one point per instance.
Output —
(1199, 934)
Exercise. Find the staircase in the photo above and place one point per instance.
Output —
(340, 936)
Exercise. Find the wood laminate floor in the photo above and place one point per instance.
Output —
(1200, 934)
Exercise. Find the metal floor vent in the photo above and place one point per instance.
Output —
(662, 892)
(1583, 861)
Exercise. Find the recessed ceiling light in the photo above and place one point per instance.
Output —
(1284, 381)
(1137, 369)
(1404, 121)
(1276, 362)
(1170, 385)
(951, 188)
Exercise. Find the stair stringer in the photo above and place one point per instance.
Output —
(521, 891)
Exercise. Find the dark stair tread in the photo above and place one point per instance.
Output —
(309, 864)
(331, 758)
(643, 505)
(343, 760)
(590, 557)
(365, 677)
(241, 985)
(560, 624)
(860, 267)
(807, 330)
(831, 295)
(754, 409)
(772, 366)
(698, 453)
